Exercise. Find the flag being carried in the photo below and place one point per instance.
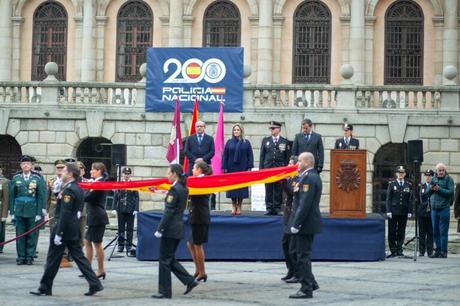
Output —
(175, 141)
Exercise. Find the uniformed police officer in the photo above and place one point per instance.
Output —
(126, 206)
(54, 187)
(66, 234)
(27, 199)
(4, 196)
(424, 217)
(305, 222)
(399, 208)
(347, 142)
(275, 151)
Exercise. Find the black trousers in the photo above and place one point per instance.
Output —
(55, 254)
(396, 233)
(167, 264)
(303, 247)
(273, 196)
(125, 230)
(289, 254)
(425, 232)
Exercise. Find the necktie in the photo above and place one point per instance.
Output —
(400, 183)
(347, 141)
(275, 140)
(200, 138)
(308, 137)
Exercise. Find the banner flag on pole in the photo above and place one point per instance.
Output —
(175, 140)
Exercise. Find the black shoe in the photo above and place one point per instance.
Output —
(435, 255)
(443, 255)
(102, 275)
(421, 254)
(120, 250)
(292, 280)
(20, 262)
(203, 278)
(29, 262)
(391, 255)
(315, 286)
(288, 276)
(160, 296)
(190, 286)
(268, 213)
(301, 295)
(41, 292)
(93, 290)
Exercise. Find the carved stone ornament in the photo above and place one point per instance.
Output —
(348, 177)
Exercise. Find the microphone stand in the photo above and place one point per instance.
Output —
(416, 197)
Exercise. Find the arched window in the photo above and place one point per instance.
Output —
(404, 43)
(49, 39)
(221, 25)
(10, 154)
(134, 36)
(312, 43)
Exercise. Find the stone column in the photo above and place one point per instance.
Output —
(450, 53)
(265, 47)
(16, 48)
(277, 48)
(100, 38)
(78, 42)
(88, 59)
(188, 21)
(357, 35)
(176, 23)
(5, 39)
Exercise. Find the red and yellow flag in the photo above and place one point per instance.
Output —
(204, 184)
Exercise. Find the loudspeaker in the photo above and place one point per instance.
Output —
(415, 151)
(119, 154)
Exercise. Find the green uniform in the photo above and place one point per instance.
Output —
(27, 199)
(4, 192)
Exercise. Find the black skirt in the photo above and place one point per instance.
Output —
(95, 233)
(199, 234)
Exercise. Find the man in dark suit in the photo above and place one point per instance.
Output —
(199, 145)
(347, 142)
(399, 208)
(305, 222)
(66, 234)
(274, 152)
(309, 141)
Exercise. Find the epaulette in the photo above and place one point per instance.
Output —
(17, 174)
(36, 173)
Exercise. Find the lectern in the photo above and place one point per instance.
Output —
(348, 184)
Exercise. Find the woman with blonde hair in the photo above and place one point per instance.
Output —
(238, 156)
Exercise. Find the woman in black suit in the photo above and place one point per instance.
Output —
(171, 231)
(199, 219)
(96, 219)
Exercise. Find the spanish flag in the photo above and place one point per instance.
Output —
(204, 184)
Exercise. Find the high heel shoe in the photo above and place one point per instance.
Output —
(203, 278)
(102, 275)
(196, 274)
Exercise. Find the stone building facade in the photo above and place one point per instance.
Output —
(90, 109)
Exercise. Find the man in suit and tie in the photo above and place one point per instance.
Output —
(274, 152)
(199, 145)
(309, 141)
(347, 142)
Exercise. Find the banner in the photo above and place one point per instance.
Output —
(208, 75)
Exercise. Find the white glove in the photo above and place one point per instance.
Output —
(57, 240)
(47, 217)
(135, 213)
(78, 214)
(389, 215)
(44, 212)
(294, 230)
(409, 215)
(3, 219)
(158, 234)
(114, 213)
(38, 218)
(12, 218)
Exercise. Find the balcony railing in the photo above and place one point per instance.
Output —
(256, 97)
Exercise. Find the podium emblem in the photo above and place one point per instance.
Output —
(348, 176)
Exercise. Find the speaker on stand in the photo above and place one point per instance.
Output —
(415, 156)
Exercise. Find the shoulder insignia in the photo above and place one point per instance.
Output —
(306, 187)
(67, 198)
(169, 198)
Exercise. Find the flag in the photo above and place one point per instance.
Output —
(192, 130)
(219, 144)
(175, 140)
(198, 185)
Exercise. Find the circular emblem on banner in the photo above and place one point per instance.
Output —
(214, 70)
(193, 70)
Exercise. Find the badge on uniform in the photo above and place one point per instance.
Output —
(169, 199)
(296, 188)
(67, 198)
(406, 189)
(268, 143)
(395, 188)
(282, 146)
(306, 187)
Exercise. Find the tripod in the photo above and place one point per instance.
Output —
(416, 196)
(114, 241)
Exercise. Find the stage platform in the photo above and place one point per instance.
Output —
(253, 236)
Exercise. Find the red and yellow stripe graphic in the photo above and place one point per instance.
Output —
(204, 184)
(218, 90)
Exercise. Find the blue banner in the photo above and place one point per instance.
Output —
(209, 75)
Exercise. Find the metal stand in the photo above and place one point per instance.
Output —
(416, 195)
(115, 240)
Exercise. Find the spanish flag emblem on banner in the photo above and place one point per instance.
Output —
(204, 184)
